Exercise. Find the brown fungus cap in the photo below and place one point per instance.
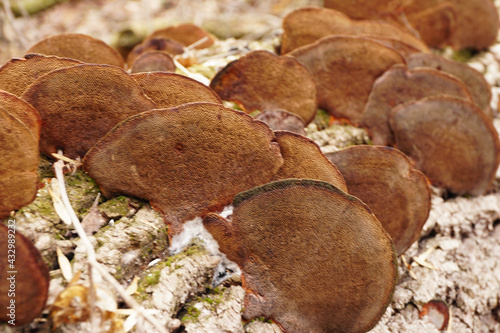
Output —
(80, 104)
(261, 80)
(308, 24)
(344, 69)
(168, 45)
(186, 33)
(153, 61)
(314, 259)
(385, 180)
(282, 120)
(451, 141)
(303, 159)
(19, 156)
(17, 74)
(187, 160)
(31, 277)
(80, 47)
(399, 85)
(474, 80)
(170, 89)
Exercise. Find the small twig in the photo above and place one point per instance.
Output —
(195, 76)
(91, 256)
(197, 43)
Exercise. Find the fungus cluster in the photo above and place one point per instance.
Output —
(311, 233)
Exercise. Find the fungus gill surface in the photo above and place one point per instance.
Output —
(451, 141)
(79, 104)
(399, 85)
(282, 120)
(344, 69)
(17, 74)
(385, 180)
(313, 258)
(19, 156)
(167, 45)
(170, 89)
(26, 276)
(187, 160)
(261, 80)
(80, 47)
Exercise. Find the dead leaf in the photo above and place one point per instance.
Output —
(64, 264)
(93, 221)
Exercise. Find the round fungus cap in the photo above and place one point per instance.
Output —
(80, 104)
(187, 160)
(17, 74)
(451, 141)
(308, 24)
(80, 47)
(474, 80)
(167, 45)
(313, 258)
(153, 61)
(380, 175)
(261, 80)
(31, 278)
(19, 156)
(170, 89)
(186, 33)
(344, 69)
(282, 120)
(303, 159)
(399, 85)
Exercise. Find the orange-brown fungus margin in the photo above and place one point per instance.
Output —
(170, 89)
(344, 69)
(153, 61)
(31, 278)
(473, 79)
(261, 80)
(80, 47)
(186, 33)
(17, 74)
(80, 104)
(19, 156)
(303, 159)
(314, 259)
(385, 180)
(399, 85)
(308, 24)
(451, 141)
(187, 160)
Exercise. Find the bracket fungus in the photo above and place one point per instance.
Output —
(19, 135)
(451, 141)
(474, 80)
(344, 69)
(24, 280)
(80, 47)
(80, 104)
(153, 61)
(302, 158)
(186, 33)
(187, 161)
(261, 80)
(306, 25)
(313, 258)
(168, 45)
(380, 175)
(17, 74)
(399, 85)
(282, 120)
(170, 89)
(459, 23)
